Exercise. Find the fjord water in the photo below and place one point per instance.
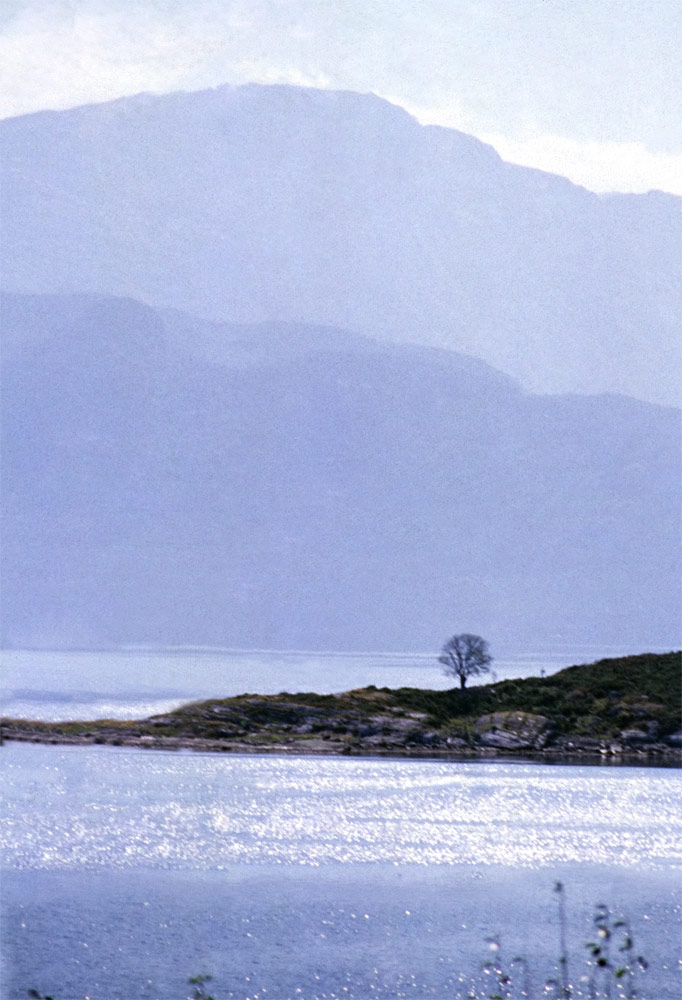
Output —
(125, 872)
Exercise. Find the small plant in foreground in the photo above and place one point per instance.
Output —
(563, 956)
(609, 968)
(494, 967)
(199, 992)
(612, 965)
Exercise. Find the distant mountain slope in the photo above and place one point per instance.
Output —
(257, 203)
(168, 481)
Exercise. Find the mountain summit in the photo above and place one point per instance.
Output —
(257, 204)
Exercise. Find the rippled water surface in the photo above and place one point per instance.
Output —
(125, 872)
(98, 807)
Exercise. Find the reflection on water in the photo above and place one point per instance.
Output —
(99, 807)
(125, 872)
(318, 878)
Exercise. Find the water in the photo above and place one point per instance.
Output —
(138, 683)
(125, 872)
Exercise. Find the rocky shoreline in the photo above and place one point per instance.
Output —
(620, 710)
(504, 734)
(570, 752)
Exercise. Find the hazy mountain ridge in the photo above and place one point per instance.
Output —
(344, 494)
(257, 204)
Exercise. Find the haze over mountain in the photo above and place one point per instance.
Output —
(257, 204)
(169, 480)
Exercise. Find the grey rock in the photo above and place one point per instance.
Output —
(589, 743)
(427, 739)
(633, 737)
(456, 743)
(513, 730)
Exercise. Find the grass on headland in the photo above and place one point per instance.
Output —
(602, 697)
(600, 701)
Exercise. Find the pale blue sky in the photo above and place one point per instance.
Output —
(588, 88)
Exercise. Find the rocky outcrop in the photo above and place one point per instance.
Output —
(610, 711)
(513, 731)
(634, 737)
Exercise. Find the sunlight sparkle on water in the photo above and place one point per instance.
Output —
(69, 809)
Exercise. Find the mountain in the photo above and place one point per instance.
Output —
(171, 480)
(259, 204)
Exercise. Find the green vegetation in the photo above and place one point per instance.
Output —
(617, 706)
(612, 969)
(198, 982)
(601, 698)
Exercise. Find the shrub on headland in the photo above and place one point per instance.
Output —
(609, 696)
(617, 708)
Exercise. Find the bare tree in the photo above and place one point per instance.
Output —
(465, 656)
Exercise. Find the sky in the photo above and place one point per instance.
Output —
(590, 89)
